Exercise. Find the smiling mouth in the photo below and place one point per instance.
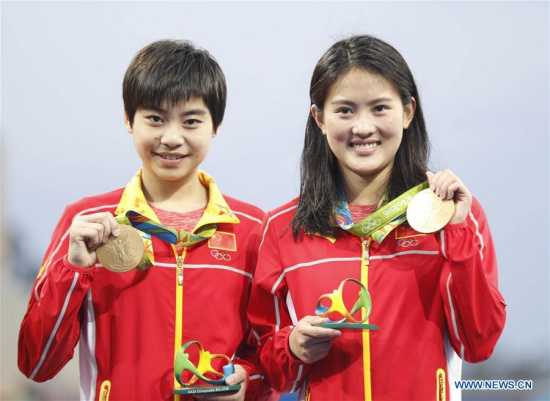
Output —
(365, 146)
(170, 156)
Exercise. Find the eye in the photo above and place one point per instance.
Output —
(344, 110)
(380, 108)
(192, 122)
(155, 119)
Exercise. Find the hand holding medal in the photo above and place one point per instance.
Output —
(87, 233)
(447, 201)
(99, 236)
(123, 243)
(447, 185)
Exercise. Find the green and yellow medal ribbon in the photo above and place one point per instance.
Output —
(379, 224)
(147, 228)
(133, 210)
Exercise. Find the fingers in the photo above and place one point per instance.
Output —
(444, 183)
(114, 225)
(316, 354)
(87, 233)
(310, 343)
(320, 334)
(238, 377)
(311, 353)
(92, 234)
(318, 348)
(107, 220)
(447, 185)
(316, 334)
(94, 229)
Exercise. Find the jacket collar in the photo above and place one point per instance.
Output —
(216, 211)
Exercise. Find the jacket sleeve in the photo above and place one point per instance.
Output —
(474, 308)
(269, 316)
(51, 326)
(256, 386)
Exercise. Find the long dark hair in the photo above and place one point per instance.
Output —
(320, 174)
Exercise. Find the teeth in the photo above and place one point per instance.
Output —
(364, 146)
(171, 157)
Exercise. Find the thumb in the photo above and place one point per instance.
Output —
(314, 319)
(430, 175)
(238, 377)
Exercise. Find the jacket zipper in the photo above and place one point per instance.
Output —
(179, 309)
(365, 255)
(366, 248)
(180, 269)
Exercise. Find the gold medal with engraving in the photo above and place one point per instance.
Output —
(428, 213)
(123, 253)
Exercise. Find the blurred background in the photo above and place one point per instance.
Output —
(481, 68)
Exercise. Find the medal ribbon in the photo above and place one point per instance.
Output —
(148, 228)
(379, 224)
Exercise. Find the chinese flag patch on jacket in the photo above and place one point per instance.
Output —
(223, 240)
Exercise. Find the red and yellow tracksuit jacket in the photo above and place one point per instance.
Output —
(131, 325)
(434, 297)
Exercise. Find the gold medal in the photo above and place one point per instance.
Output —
(428, 213)
(123, 253)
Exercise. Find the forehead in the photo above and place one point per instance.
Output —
(359, 82)
(181, 105)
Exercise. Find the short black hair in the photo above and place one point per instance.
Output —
(172, 71)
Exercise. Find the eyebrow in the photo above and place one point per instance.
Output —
(373, 101)
(199, 112)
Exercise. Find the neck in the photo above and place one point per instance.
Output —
(181, 196)
(364, 190)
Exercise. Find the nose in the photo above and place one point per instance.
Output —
(173, 136)
(363, 124)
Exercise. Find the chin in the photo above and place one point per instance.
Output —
(364, 171)
(370, 169)
(176, 176)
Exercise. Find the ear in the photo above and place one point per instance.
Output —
(127, 123)
(215, 132)
(408, 113)
(318, 116)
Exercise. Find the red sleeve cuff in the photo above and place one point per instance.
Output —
(291, 357)
(77, 269)
(455, 226)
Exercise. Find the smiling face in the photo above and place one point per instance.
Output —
(172, 141)
(363, 120)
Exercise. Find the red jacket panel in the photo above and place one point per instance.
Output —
(126, 322)
(434, 297)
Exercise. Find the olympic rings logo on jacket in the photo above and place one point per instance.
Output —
(220, 255)
(407, 242)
